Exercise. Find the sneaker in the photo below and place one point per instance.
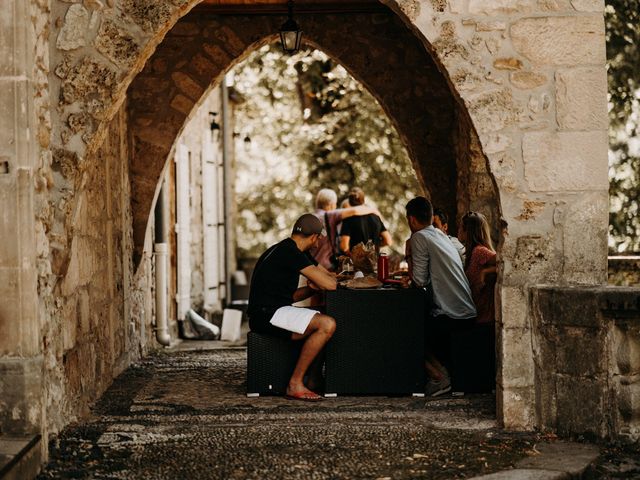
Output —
(435, 388)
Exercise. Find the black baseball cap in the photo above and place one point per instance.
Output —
(308, 224)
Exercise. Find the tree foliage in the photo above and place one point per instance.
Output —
(306, 124)
(623, 55)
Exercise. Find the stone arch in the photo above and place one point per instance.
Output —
(382, 54)
(92, 82)
(528, 77)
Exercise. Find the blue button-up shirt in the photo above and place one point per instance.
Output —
(436, 264)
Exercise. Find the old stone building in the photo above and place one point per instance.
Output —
(502, 107)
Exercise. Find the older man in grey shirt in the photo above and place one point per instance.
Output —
(435, 265)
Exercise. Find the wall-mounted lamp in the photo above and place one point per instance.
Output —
(214, 127)
(290, 33)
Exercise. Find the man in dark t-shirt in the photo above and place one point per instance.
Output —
(274, 288)
(364, 228)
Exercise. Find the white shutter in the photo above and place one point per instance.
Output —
(210, 220)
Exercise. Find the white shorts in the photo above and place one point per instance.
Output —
(293, 319)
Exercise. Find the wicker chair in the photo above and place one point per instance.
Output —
(473, 359)
(270, 363)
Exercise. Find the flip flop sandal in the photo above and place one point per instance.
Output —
(304, 397)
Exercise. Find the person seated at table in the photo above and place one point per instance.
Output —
(363, 228)
(326, 250)
(440, 221)
(274, 287)
(435, 265)
(480, 266)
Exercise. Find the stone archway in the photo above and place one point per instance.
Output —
(382, 53)
(528, 77)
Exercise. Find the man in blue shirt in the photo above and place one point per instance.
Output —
(435, 265)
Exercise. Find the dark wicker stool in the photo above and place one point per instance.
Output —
(473, 359)
(270, 363)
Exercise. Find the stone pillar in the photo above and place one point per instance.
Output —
(20, 345)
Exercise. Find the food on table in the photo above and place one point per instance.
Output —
(363, 282)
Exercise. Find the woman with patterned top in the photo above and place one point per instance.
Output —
(480, 264)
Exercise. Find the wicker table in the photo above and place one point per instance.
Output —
(378, 346)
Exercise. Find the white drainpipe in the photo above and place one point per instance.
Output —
(162, 329)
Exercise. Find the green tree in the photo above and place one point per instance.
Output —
(311, 126)
(623, 59)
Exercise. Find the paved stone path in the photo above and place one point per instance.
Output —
(184, 415)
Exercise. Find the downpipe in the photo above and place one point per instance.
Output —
(162, 328)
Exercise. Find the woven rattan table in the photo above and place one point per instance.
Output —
(378, 346)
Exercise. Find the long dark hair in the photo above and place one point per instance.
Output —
(476, 228)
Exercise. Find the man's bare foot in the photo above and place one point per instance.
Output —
(315, 383)
(302, 393)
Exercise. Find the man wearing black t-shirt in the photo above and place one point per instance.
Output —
(274, 288)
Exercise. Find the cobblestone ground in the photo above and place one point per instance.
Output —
(184, 415)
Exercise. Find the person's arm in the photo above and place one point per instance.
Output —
(419, 260)
(359, 211)
(489, 268)
(303, 293)
(319, 277)
(385, 238)
(344, 243)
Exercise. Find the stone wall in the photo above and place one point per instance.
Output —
(97, 309)
(587, 360)
(527, 77)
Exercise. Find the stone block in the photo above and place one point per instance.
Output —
(527, 80)
(83, 313)
(74, 30)
(581, 98)
(565, 161)
(182, 104)
(149, 14)
(10, 325)
(567, 306)
(501, 7)
(116, 44)
(581, 352)
(490, 26)
(581, 404)
(516, 407)
(14, 123)
(492, 111)
(588, 5)
(217, 54)
(628, 396)
(626, 349)
(513, 306)
(507, 63)
(10, 244)
(21, 395)
(16, 61)
(188, 85)
(575, 40)
(69, 324)
(514, 348)
(586, 218)
(89, 77)
(532, 259)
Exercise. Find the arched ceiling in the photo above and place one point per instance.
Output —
(377, 48)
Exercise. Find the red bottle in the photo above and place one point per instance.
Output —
(383, 267)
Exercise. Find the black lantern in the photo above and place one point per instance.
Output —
(290, 33)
